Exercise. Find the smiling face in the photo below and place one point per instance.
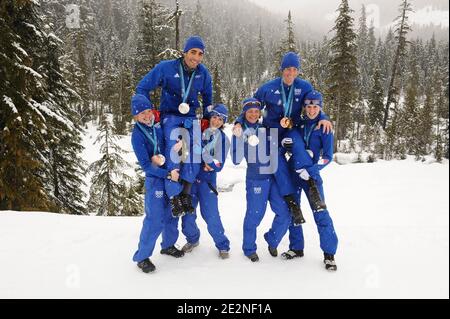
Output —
(216, 122)
(312, 111)
(193, 58)
(289, 75)
(252, 115)
(145, 117)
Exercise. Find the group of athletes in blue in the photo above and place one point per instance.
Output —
(282, 134)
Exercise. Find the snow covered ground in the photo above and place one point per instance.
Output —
(392, 220)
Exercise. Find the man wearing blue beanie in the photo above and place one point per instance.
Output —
(282, 99)
(182, 82)
(290, 60)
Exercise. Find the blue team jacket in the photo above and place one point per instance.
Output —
(214, 151)
(167, 76)
(144, 150)
(321, 144)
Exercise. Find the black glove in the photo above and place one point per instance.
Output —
(287, 143)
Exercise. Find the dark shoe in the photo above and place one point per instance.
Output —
(295, 210)
(291, 254)
(146, 266)
(329, 262)
(186, 200)
(188, 247)
(314, 196)
(172, 251)
(224, 254)
(176, 206)
(273, 251)
(254, 257)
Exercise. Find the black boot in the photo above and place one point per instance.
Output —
(273, 251)
(329, 262)
(291, 254)
(295, 210)
(176, 206)
(253, 257)
(186, 200)
(314, 196)
(173, 251)
(146, 266)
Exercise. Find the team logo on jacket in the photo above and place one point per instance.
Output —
(177, 75)
(298, 91)
(257, 190)
(159, 194)
(277, 92)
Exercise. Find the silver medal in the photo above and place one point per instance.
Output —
(162, 158)
(184, 108)
(253, 140)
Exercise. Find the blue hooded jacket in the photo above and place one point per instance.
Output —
(166, 75)
(320, 143)
(255, 165)
(270, 96)
(144, 150)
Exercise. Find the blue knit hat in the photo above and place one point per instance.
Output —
(290, 59)
(251, 103)
(194, 42)
(313, 98)
(220, 110)
(140, 103)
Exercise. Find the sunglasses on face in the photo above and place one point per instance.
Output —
(312, 102)
(219, 115)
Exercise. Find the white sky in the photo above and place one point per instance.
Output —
(381, 11)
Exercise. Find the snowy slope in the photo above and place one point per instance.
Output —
(391, 218)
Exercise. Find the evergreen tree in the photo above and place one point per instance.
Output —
(217, 88)
(121, 111)
(401, 31)
(22, 121)
(343, 72)
(376, 97)
(106, 192)
(371, 56)
(65, 167)
(362, 42)
(409, 119)
(198, 21)
(240, 66)
(154, 35)
(130, 199)
(385, 58)
(425, 125)
(261, 57)
(288, 44)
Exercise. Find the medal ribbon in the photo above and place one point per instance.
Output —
(184, 91)
(152, 139)
(287, 104)
(307, 135)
